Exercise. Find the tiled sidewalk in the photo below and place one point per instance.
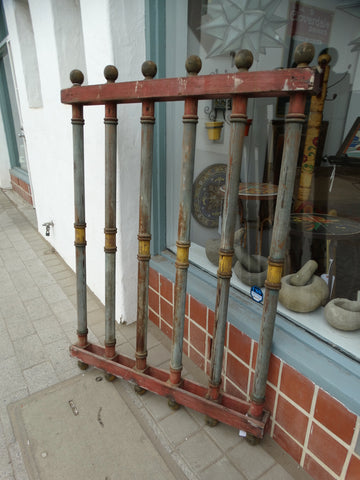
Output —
(37, 325)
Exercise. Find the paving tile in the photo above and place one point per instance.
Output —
(7, 398)
(156, 405)
(27, 254)
(129, 331)
(37, 308)
(158, 355)
(197, 416)
(92, 304)
(199, 451)
(66, 374)
(14, 264)
(7, 288)
(55, 266)
(11, 307)
(179, 426)
(68, 284)
(5, 242)
(120, 339)
(6, 346)
(99, 330)
(64, 274)
(6, 471)
(96, 317)
(35, 266)
(43, 279)
(40, 376)
(92, 338)
(59, 355)
(52, 258)
(224, 436)
(49, 330)
(29, 293)
(29, 351)
(70, 331)
(276, 473)
(65, 316)
(53, 294)
(2, 324)
(251, 461)
(19, 327)
(11, 377)
(17, 462)
(221, 469)
(21, 246)
(123, 348)
(4, 274)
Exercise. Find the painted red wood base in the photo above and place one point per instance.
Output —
(229, 409)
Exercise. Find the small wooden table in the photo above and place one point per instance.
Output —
(255, 191)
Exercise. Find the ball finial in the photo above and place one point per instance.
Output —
(304, 53)
(193, 65)
(324, 59)
(76, 77)
(149, 69)
(243, 60)
(111, 73)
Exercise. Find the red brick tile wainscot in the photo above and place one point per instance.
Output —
(309, 424)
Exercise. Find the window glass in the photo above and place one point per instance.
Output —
(325, 221)
(3, 26)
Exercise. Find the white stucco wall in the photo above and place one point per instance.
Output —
(113, 33)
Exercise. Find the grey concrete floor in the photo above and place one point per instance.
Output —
(37, 325)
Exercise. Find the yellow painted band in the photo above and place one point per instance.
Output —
(144, 247)
(80, 235)
(182, 254)
(225, 263)
(110, 241)
(274, 273)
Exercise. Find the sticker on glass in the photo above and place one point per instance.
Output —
(256, 294)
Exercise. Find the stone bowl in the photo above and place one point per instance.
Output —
(343, 314)
(212, 251)
(305, 298)
(252, 278)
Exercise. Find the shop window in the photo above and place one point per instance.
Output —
(325, 224)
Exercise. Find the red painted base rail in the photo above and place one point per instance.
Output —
(229, 410)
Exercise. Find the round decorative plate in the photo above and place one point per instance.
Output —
(206, 201)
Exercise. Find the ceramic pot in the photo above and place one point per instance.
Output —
(343, 314)
(214, 130)
(305, 298)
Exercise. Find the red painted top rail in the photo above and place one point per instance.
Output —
(276, 83)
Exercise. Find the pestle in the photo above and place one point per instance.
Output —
(305, 273)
